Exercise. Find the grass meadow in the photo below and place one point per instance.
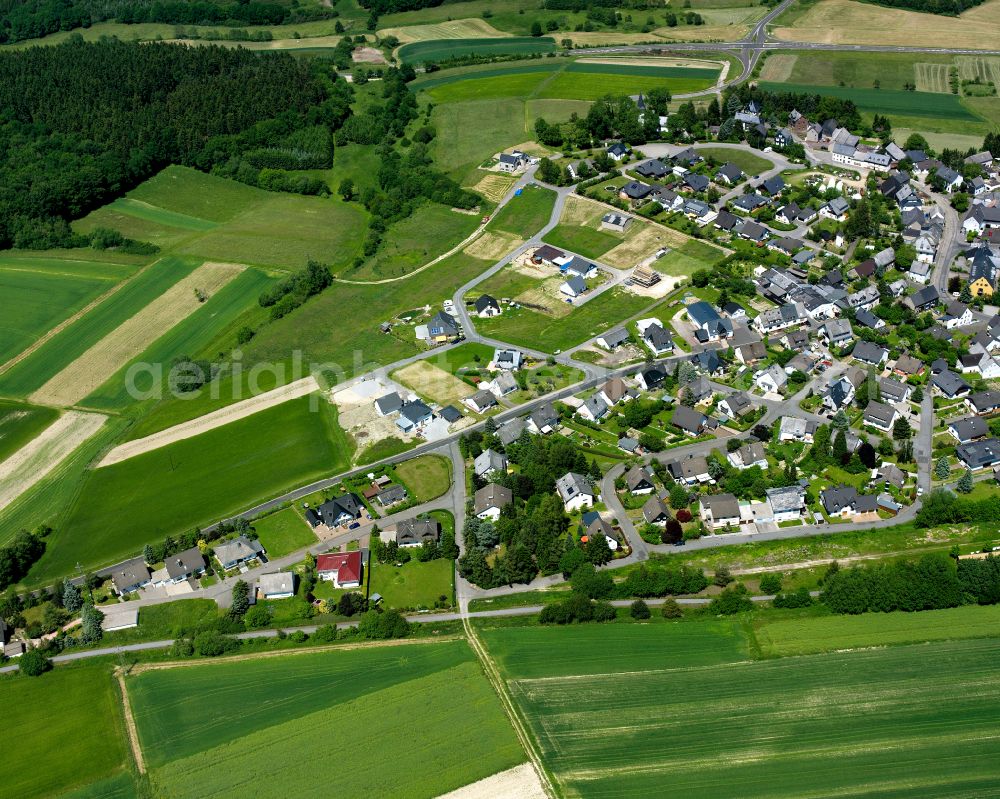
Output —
(283, 532)
(654, 715)
(61, 732)
(751, 164)
(63, 348)
(526, 214)
(20, 423)
(203, 728)
(534, 329)
(587, 241)
(195, 482)
(427, 477)
(41, 292)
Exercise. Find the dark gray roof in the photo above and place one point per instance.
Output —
(417, 531)
(979, 454)
(970, 428)
(130, 575)
(185, 563)
(688, 419)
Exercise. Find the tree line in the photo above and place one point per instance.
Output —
(82, 123)
(30, 19)
(951, 8)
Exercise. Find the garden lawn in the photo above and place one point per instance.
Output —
(462, 357)
(750, 163)
(426, 477)
(539, 331)
(283, 532)
(167, 620)
(414, 585)
(832, 633)
(527, 213)
(39, 293)
(61, 731)
(63, 348)
(20, 423)
(195, 482)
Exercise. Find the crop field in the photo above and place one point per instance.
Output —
(472, 87)
(427, 477)
(858, 70)
(831, 633)
(283, 532)
(532, 329)
(78, 739)
(20, 423)
(493, 186)
(668, 724)
(851, 22)
(586, 84)
(63, 348)
(195, 482)
(39, 293)
(87, 372)
(887, 101)
(981, 67)
(443, 49)
(646, 70)
(203, 738)
(526, 214)
(192, 336)
(932, 78)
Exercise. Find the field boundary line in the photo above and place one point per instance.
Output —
(130, 728)
(302, 650)
(74, 318)
(494, 676)
(210, 421)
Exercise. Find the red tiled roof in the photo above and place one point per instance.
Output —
(347, 565)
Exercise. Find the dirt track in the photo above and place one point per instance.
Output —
(210, 421)
(46, 451)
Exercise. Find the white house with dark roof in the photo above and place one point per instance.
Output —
(575, 492)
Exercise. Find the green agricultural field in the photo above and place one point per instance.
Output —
(414, 584)
(639, 71)
(776, 728)
(527, 213)
(160, 216)
(121, 786)
(80, 738)
(203, 739)
(533, 329)
(195, 482)
(538, 652)
(443, 49)
(590, 85)
(39, 293)
(888, 101)
(20, 423)
(180, 712)
(586, 241)
(427, 477)
(805, 636)
(63, 348)
(192, 336)
(751, 164)
(283, 532)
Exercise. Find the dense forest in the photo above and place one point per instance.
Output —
(82, 123)
(948, 7)
(29, 19)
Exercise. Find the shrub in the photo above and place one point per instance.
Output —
(731, 601)
(671, 610)
(639, 610)
(683, 515)
(770, 584)
(723, 576)
(212, 644)
(34, 663)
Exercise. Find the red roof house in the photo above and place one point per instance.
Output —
(342, 568)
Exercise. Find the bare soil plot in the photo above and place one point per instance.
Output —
(778, 67)
(453, 29)
(88, 372)
(932, 78)
(637, 246)
(520, 782)
(210, 421)
(40, 456)
(546, 297)
(849, 22)
(357, 416)
(492, 245)
(494, 186)
(368, 55)
(433, 382)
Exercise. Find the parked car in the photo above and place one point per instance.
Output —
(354, 525)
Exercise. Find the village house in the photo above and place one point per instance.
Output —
(343, 569)
(575, 492)
(720, 510)
(238, 552)
(489, 500)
